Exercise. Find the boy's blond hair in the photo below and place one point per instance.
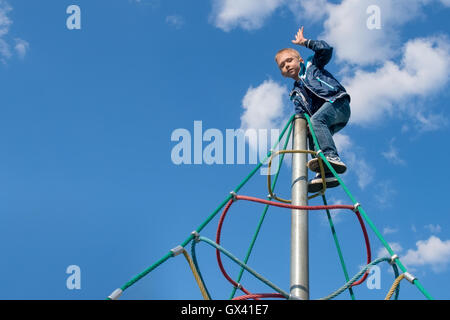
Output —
(287, 50)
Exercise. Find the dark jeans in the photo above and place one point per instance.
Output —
(328, 120)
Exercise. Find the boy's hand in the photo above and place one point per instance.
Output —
(299, 38)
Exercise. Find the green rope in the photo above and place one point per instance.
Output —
(363, 213)
(338, 247)
(284, 293)
(212, 215)
(254, 273)
(194, 259)
(146, 271)
(263, 215)
(243, 265)
(236, 190)
(358, 275)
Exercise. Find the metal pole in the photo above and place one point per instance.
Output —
(299, 287)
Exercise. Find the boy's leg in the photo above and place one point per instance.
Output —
(328, 120)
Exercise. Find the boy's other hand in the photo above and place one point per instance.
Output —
(299, 38)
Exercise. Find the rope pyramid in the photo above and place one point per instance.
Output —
(195, 237)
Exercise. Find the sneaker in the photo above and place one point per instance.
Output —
(335, 162)
(316, 184)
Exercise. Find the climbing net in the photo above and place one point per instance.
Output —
(273, 200)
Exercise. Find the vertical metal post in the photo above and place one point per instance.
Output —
(299, 286)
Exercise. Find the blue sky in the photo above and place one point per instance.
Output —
(86, 167)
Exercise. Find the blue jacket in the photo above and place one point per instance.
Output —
(318, 80)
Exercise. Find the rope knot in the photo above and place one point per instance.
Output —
(393, 258)
(196, 236)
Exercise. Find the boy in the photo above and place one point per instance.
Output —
(319, 94)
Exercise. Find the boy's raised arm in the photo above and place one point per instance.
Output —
(299, 38)
(323, 51)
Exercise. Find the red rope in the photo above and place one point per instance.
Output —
(283, 205)
(219, 259)
(369, 254)
(290, 206)
(349, 207)
(260, 295)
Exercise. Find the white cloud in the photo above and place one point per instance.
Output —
(264, 107)
(21, 47)
(395, 246)
(356, 164)
(5, 50)
(433, 252)
(5, 21)
(345, 21)
(392, 154)
(433, 228)
(391, 88)
(430, 122)
(175, 20)
(363, 170)
(346, 28)
(389, 230)
(343, 142)
(311, 10)
(384, 194)
(248, 14)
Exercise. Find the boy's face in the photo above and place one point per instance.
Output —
(289, 64)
